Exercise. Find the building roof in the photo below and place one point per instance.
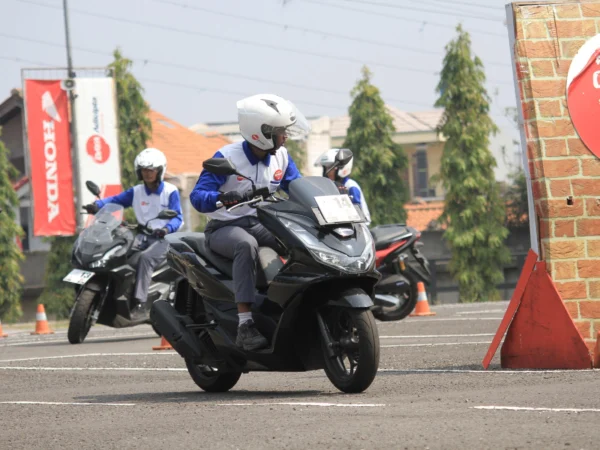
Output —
(184, 149)
(424, 215)
(404, 122)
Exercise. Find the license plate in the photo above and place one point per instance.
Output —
(77, 276)
(337, 208)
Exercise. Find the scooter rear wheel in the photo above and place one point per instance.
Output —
(356, 345)
(211, 380)
(406, 306)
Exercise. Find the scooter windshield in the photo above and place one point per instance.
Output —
(98, 235)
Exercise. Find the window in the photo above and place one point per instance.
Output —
(421, 173)
(24, 216)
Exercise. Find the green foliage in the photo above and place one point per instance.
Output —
(58, 296)
(11, 280)
(135, 130)
(474, 212)
(378, 161)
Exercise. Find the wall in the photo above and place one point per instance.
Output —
(547, 37)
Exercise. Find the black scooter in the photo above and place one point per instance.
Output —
(105, 261)
(314, 309)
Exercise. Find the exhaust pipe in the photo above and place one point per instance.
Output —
(173, 328)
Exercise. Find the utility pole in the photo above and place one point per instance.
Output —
(70, 85)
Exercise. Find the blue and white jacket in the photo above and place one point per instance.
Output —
(356, 195)
(147, 204)
(275, 171)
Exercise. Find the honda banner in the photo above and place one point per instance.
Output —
(97, 137)
(51, 171)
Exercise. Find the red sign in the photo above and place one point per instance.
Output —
(98, 149)
(278, 175)
(583, 93)
(50, 158)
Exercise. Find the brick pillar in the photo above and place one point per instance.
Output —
(565, 174)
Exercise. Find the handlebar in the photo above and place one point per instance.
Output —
(251, 198)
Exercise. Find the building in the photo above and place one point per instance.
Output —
(416, 132)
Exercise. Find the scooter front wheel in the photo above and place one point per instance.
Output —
(82, 318)
(355, 344)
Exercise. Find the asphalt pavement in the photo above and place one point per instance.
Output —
(114, 391)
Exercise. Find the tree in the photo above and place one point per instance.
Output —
(135, 130)
(378, 161)
(474, 213)
(11, 280)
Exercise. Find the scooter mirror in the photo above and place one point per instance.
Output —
(219, 166)
(167, 214)
(343, 157)
(93, 188)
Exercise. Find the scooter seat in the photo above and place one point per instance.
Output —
(269, 266)
(385, 235)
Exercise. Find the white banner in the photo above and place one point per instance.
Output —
(97, 137)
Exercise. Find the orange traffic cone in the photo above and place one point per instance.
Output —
(41, 322)
(164, 345)
(2, 335)
(597, 352)
(422, 307)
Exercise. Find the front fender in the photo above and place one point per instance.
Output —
(352, 298)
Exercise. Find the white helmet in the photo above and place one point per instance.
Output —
(151, 158)
(263, 115)
(328, 158)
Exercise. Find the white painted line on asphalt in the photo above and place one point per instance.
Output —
(418, 336)
(524, 408)
(470, 305)
(68, 403)
(97, 338)
(484, 311)
(83, 369)
(87, 355)
(436, 344)
(441, 319)
(347, 405)
(495, 372)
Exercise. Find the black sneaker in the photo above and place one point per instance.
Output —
(249, 338)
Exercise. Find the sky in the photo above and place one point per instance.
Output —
(196, 58)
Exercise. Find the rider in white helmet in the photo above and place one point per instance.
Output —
(266, 121)
(341, 176)
(148, 199)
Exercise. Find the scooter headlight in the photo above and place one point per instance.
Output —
(331, 257)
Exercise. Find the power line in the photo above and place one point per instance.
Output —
(431, 11)
(234, 40)
(21, 60)
(406, 19)
(301, 29)
(456, 2)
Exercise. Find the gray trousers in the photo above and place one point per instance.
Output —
(154, 251)
(239, 240)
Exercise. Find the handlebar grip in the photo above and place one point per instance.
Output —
(219, 204)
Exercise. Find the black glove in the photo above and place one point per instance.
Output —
(343, 190)
(92, 208)
(160, 233)
(230, 198)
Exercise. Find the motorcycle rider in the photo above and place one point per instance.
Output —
(341, 177)
(148, 199)
(265, 122)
